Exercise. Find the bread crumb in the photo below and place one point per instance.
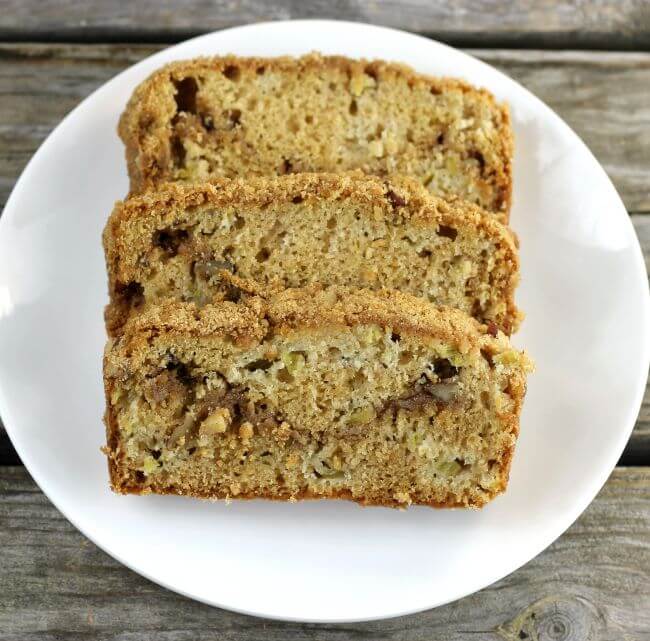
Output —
(216, 423)
(479, 127)
(246, 431)
(282, 432)
(360, 82)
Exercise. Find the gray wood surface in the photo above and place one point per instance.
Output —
(605, 97)
(526, 23)
(593, 584)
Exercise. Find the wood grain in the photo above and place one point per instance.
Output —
(529, 23)
(604, 96)
(593, 583)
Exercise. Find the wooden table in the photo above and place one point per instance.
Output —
(590, 61)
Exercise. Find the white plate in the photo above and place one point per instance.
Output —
(583, 287)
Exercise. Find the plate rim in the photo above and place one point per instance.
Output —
(597, 480)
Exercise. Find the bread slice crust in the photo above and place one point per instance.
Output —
(439, 452)
(230, 116)
(352, 230)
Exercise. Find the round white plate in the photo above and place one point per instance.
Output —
(583, 288)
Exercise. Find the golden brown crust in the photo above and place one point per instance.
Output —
(305, 495)
(298, 311)
(152, 128)
(308, 307)
(415, 207)
(146, 132)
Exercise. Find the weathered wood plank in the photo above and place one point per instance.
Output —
(642, 227)
(558, 23)
(605, 97)
(39, 85)
(593, 583)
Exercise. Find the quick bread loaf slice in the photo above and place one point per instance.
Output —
(230, 116)
(291, 231)
(378, 397)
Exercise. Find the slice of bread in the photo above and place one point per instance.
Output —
(378, 397)
(228, 117)
(291, 231)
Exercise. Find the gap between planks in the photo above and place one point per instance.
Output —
(601, 24)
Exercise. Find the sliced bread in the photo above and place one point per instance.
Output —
(230, 116)
(290, 231)
(378, 397)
